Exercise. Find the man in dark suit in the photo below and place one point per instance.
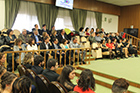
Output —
(36, 37)
(102, 31)
(44, 29)
(44, 46)
(56, 46)
(118, 37)
(49, 72)
(61, 36)
(36, 27)
(38, 64)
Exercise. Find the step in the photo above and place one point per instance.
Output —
(98, 88)
(110, 82)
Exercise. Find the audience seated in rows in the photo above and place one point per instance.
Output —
(38, 64)
(49, 72)
(86, 82)
(67, 74)
(19, 47)
(120, 86)
(28, 60)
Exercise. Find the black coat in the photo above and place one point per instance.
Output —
(50, 75)
(59, 37)
(43, 46)
(41, 31)
(37, 69)
(39, 37)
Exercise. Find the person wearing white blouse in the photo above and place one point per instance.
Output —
(32, 45)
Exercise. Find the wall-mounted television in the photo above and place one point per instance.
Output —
(133, 32)
(64, 4)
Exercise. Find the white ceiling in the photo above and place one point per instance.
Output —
(122, 2)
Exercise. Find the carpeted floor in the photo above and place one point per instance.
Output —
(123, 68)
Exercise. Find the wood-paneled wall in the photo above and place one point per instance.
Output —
(91, 5)
(130, 15)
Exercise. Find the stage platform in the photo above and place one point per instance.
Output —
(106, 71)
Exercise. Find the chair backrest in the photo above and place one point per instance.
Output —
(22, 70)
(42, 84)
(94, 45)
(16, 33)
(83, 39)
(87, 44)
(56, 87)
(31, 74)
(4, 30)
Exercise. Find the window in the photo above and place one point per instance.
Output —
(63, 20)
(91, 20)
(26, 17)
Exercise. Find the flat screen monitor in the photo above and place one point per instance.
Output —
(133, 32)
(65, 4)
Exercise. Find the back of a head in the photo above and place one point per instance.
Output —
(86, 80)
(22, 85)
(27, 58)
(65, 74)
(7, 79)
(120, 86)
(51, 63)
(38, 59)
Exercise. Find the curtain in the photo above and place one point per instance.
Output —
(11, 10)
(63, 20)
(91, 20)
(46, 14)
(26, 17)
(78, 18)
(98, 17)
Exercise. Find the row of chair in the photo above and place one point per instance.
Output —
(41, 82)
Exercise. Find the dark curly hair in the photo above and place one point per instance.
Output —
(86, 80)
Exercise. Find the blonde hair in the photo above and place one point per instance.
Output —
(53, 32)
(44, 34)
(27, 58)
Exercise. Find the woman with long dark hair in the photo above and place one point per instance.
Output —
(86, 83)
(22, 85)
(67, 74)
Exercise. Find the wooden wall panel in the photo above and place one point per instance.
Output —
(91, 5)
(130, 15)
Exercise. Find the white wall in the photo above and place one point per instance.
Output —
(110, 23)
(2, 14)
